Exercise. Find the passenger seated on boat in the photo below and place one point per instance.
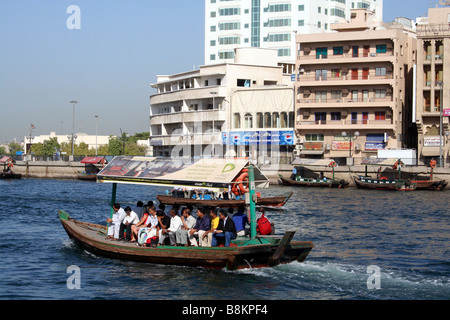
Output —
(130, 219)
(263, 225)
(211, 213)
(151, 230)
(187, 223)
(175, 224)
(115, 222)
(240, 220)
(161, 208)
(139, 209)
(143, 223)
(226, 230)
(202, 226)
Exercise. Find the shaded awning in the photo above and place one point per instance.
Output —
(203, 173)
(92, 160)
(380, 161)
(312, 162)
(431, 151)
(5, 159)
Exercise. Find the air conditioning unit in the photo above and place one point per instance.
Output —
(358, 147)
(328, 147)
(300, 141)
(296, 152)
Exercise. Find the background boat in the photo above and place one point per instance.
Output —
(93, 165)
(8, 173)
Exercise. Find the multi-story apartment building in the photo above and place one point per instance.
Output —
(272, 24)
(351, 96)
(244, 108)
(433, 84)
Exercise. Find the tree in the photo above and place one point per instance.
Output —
(115, 146)
(14, 147)
(2, 150)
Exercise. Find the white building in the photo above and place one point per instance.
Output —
(91, 140)
(239, 108)
(272, 24)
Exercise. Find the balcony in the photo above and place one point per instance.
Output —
(186, 139)
(344, 102)
(189, 116)
(349, 79)
(311, 59)
(345, 124)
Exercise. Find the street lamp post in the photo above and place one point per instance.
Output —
(73, 102)
(96, 134)
(350, 137)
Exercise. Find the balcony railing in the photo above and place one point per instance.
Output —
(348, 77)
(345, 122)
(345, 56)
(346, 100)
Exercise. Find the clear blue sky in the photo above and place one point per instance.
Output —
(107, 65)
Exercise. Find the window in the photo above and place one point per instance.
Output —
(229, 11)
(275, 120)
(267, 120)
(312, 137)
(336, 94)
(321, 96)
(366, 51)
(380, 115)
(321, 53)
(380, 71)
(237, 121)
(335, 116)
(336, 73)
(355, 95)
(259, 120)
(365, 73)
(355, 52)
(301, 23)
(321, 75)
(284, 120)
(365, 94)
(365, 117)
(338, 51)
(381, 48)
(354, 117)
(380, 94)
(354, 74)
(321, 118)
(243, 83)
(248, 119)
(301, 7)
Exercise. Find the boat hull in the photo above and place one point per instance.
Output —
(434, 185)
(10, 176)
(319, 183)
(87, 176)
(379, 184)
(92, 238)
(267, 202)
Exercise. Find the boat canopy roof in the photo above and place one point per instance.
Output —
(312, 162)
(5, 159)
(389, 162)
(92, 160)
(203, 173)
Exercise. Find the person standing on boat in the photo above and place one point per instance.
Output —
(202, 226)
(130, 219)
(187, 223)
(175, 224)
(240, 219)
(226, 230)
(115, 221)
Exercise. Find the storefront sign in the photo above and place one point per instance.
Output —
(246, 138)
(432, 141)
(375, 146)
(446, 112)
(340, 145)
(313, 146)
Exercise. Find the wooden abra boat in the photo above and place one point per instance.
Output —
(297, 180)
(384, 183)
(430, 183)
(91, 170)
(7, 173)
(263, 252)
(267, 201)
(253, 252)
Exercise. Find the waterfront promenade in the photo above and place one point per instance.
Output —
(70, 170)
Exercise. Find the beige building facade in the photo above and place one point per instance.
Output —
(352, 90)
(433, 85)
(229, 109)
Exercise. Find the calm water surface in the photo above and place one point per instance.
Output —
(406, 235)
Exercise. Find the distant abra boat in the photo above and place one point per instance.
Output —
(91, 168)
(7, 173)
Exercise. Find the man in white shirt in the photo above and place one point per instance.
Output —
(130, 219)
(188, 222)
(175, 224)
(115, 221)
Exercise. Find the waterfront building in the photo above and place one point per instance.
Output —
(272, 24)
(433, 84)
(239, 108)
(90, 140)
(353, 94)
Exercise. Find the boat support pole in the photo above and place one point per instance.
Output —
(113, 200)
